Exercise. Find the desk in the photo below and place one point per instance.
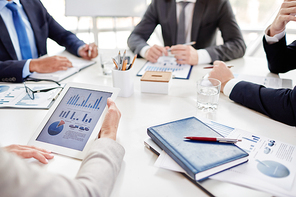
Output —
(138, 176)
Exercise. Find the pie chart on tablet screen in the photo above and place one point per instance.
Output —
(56, 127)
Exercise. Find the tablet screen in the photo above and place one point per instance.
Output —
(74, 119)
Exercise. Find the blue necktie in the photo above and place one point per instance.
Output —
(21, 31)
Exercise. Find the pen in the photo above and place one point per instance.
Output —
(123, 57)
(89, 47)
(89, 50)
(124, 65)
(118, 57)
(114, 61)
(209, 67)
(213, 139)
(188, 43)
(132, 62)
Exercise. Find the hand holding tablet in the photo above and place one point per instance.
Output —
(68, 127)
(111, 121)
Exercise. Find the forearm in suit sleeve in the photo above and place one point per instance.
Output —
(96, 176)
(234, 45)
(139, 36)
(12, 71)
(278, 104)
(280, 57)
(53, 30)
(63, 37)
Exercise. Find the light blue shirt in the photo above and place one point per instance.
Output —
(6, 15)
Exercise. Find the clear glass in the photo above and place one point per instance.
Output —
(208, 91)
(106, 63)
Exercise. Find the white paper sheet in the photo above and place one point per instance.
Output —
(77, 63)
(15, 96)
(269, 82)
(271, 166)
(168, 64)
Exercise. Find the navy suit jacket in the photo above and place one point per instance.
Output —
(208, 17)
(278, 104)
(280, 56)
(44, 26)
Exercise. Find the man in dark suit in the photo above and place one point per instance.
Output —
(280, 56)
(39, 26)
(202, 20)
(278, 104)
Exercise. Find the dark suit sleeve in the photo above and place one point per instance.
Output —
(44, 26)
(278, 104)
(63, 37)
(234, 45)
(142, 32)
(280, 56)
(12, 71)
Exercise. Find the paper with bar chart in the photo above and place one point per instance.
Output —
(74, 119)
(271, 166)
(168, 64)
(15, 96)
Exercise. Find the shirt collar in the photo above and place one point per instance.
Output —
(191, 1)
(4, 2)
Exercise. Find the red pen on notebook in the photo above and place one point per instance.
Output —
(213, 139)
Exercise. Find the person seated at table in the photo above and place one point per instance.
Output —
(24, 28)
(280, 56)
(95, 177)
(199, 22)
(278, 104)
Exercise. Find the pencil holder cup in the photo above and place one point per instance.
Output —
(123, 80)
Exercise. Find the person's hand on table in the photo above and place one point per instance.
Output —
(88, 51)
(49, 64)
(286, 14)
(154, 52)
(26, 152)
(221, 72)
(111, 121)
(185, 54)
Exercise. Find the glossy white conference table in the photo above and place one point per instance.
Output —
(138, 176)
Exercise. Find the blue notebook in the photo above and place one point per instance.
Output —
(199, 159)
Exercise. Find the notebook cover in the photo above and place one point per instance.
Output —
(193, 156)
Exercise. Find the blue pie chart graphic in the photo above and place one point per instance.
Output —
(56, 127)
(273, 169)
(3, 88)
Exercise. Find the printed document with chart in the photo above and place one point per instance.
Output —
(15, 96)
(168, 64)
(271, 166)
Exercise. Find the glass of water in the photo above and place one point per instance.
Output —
(106, 64)
(208, 90)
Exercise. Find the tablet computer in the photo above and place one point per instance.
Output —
(74, 120)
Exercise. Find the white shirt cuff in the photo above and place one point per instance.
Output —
(229, 86)
(203, 57)
(275, 38)
(26, 68)
(144, 50)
